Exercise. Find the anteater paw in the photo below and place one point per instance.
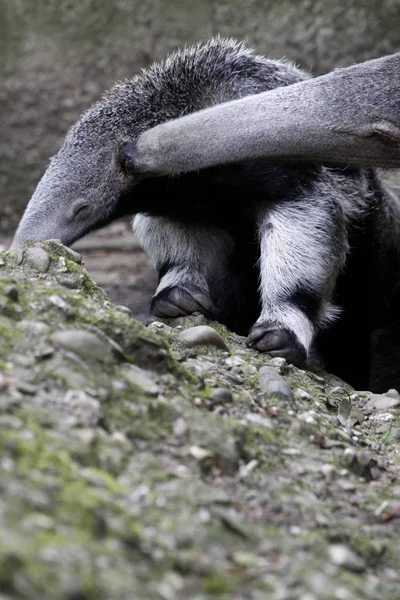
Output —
(178, 301)
(277, 341)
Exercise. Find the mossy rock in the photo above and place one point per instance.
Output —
(122, 477)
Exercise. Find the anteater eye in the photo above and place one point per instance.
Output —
(80, 208)
(126, 158)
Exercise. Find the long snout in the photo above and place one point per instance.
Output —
(40, 223)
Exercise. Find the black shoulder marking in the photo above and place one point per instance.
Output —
(308, 301)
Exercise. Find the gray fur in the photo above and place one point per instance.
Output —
(217, 235)
(350, 116)
(86, 167)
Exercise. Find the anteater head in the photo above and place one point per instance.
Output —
(89, 182)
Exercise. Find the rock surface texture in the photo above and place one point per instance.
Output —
(134, 466)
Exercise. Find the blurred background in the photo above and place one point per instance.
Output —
(58, 56)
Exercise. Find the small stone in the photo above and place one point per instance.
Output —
(302, 394)
(71, 281)
(71, 254)
(234, 361)
(382, 403)
(159, 325)
(273, 383)
(384, 417)
(346, 485)
(234, 377)
(10, 422)
(37, 328)
(87, 436)
(245, 559)
(318, 378)
(199, 453)
(43, 351)
(142, 379)
(37, 521)
(308, 417)
(201, 335)
(11, 292)
(37, 259)
(291, 451)
(248, 468)
(356, 416)
(84, 343)
(59, 302)
(259, 420)
(349, 456)
(121, 438)
(85, 409)
(2, 262)
(4, 382)
(280, 364)
(343, 556)
(181, 428)
(26, 388)
(396, 433)
(124, 309)
(344, 410)
(221, 396)
(328, 471)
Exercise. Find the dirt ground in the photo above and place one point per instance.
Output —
(116, 262)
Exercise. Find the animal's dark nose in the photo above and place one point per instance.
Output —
(127, 156)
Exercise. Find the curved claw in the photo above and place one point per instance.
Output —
(277, 341)
(177, 301)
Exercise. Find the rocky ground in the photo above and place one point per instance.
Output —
(117, 264)
(169, 462)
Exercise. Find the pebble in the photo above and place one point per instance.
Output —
(343, 556)
(71, 281)
(33, 327)
(181, 428)
(26, 388)
(159, 325)
(11, 292)
(272, 383)
(221, 396)
(234, 377)
(259, 420)
(291, 451)
(234, 361)
(142, 379)
(84, 343)
(302, 394)
(199, 453)
(37, 521)
(85, 409)
(280, 364)
(124, 309)
(381, 403)
(328, 471)
(72, 255)
(37, 259)
(346, 485)
(201, 335)
(59, 302)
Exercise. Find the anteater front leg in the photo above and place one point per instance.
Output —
(303, 245)
(188, 258)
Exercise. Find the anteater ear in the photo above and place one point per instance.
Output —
(127, 158)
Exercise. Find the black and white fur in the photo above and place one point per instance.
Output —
(290, 254)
